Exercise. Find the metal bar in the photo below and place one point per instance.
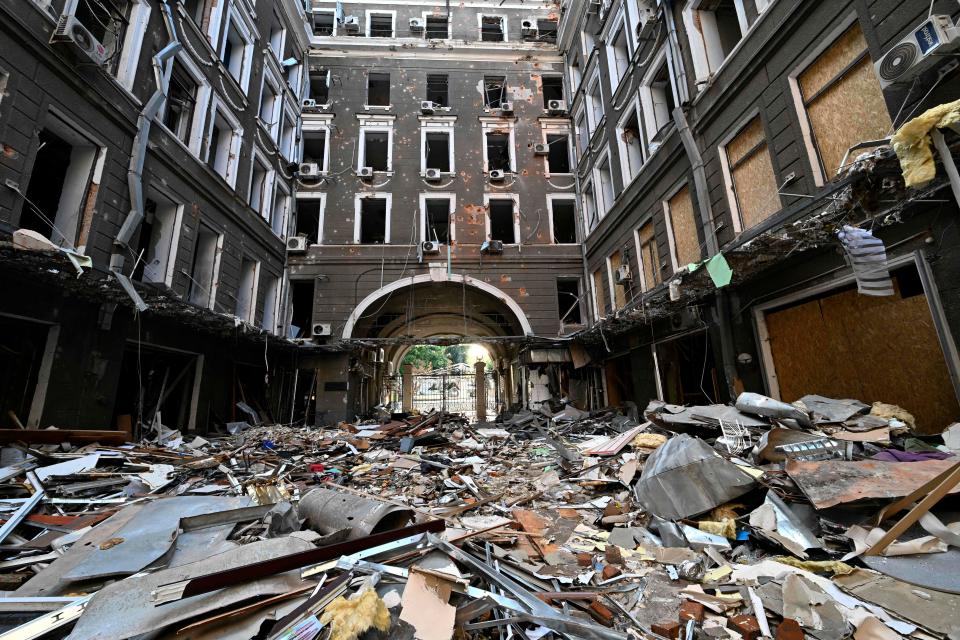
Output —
(39, 627)
(232, 516)
(24, 509)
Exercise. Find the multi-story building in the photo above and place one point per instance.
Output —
(436, 196)
(151, 143)
(754, 130)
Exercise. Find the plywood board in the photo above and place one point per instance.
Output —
(600, 291)
(683, 221)
(832, 61)
(650, 257)
(619, 290)
(756, 188)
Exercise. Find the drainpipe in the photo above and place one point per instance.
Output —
(713, 247)
(139, 152)
(674, 41)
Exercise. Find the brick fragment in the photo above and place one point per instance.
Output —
(667, 629)
(601, 613)
(613, 555)
(610, 571)
(690, 610)
(789, 629)
(746, 625)
(584, 559)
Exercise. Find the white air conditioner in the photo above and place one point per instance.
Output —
(498, 175)
(429, 246)
(433, 175)
(557, 107)
(506, 106)
(541, 149)
(417, 24)
(296, 244)
(71, 31)
(309, 170)
(492, 247)
(528, 28)
(918, 51)
(351, 24)
(365, 172)
(624, 274)
(309, 103)
(322, 329)
(427, 107)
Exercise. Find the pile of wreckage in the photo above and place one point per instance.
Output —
(761, 519)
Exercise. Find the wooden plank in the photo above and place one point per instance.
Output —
(56, 436)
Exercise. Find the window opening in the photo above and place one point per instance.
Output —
(373, 221)
(498, 152)
(181, 102)
(491, 29)
(315, 147)
(494, 88)
(568, 301)
(308, 219)
(376, 150)
(564, 222)
(378, 90)
(320, 86)
(547, 30)
(203, 268)
(558, 160)
(246, 290)
(437, 28)
(438, 89)
(438, 151)
(323, 23)
(381, 25)
(438, 220)
(501, 221)
(301, 308)
(552, 88)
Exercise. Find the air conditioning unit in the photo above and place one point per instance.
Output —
(506, 106)
(557, 107)
(296, 244)
(432, 175)
(427, 107)
(624, 274)
(309, 103)
(498, 175)
(429, 247)
(322, 329)
(918, 51)
(71, 31)
(528, 28)
(309, 170)
(417, 24)
(365, 173)
(541, 149)
(351, 24)
(492, 247)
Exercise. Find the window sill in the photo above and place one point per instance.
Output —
(377, 107)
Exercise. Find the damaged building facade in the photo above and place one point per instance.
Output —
(721, 147)
(145, 192)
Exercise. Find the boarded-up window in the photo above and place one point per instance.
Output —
(619, 290)
(683, 224)
(649, 256)
(843, 99)
(752, 182)
(599, 293)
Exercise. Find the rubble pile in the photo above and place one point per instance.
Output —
(824, 518)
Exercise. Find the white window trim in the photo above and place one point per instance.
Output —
(310, 125)
(132, 44)
(705, 50)
(281, 190)
(633, 107)
(598, 314)
(557, 128)
(290, 114)
(729, 187)
(270, 78)
(357, 199)
(366, 96)
(245, 29)
(495, 125)
(793, 80)
(638, 247)
(233, 162)
(616, 78)
(611, 284)
(333, 14)
(578, 139)
(646, 99)
(322, 197)
(487, 197)
(375, 126)
(431, 14)
(667, 217)
(278, 55)
(600, 198)
(503, 23)
(593, 124)
(436, 125)
(587, 51)
(254, 294)
(575, 82)
(201, 107)
(215, 28)
(215, 283)
(266, 193)
(589, 190)
(276, 305)
(451, 197)
(382, 12)
(568, 197)
(163, 192)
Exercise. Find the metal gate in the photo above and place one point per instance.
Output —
(450, 391)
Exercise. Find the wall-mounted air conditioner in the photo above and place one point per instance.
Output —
(365, 172)
(309, 103)
(309, 170)
(417, 24)
(918, 51)
(557, 107)
(506, 107)
(541, 149)
(322, 329)
(433, 175)
(429, 247)
(296, 244)
(351, 24)
(498, 175)
(492, 247)
(428, 108)
(71, 31)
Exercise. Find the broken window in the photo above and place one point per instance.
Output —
(843, 100)
(438, 91)
(576, 76)
(378, 90)
(288, 129)
(552, 88)
(259, 187)
(558, 159)
(376, 150)
(716, 35)
(320, 85)
(271, 288)
(590, 206)
(438, 28)
(499, 156)
(564, 221)
(373, 221)
(659, 101)
(649, 256)
(181, 102)
(619, 54)
(753, 185)
(237, 50)
(438, 219)
(22, 347)
(108, 23)
(437, 151)
(502, 221)
(269, 101)
(278, 212)
(605, 178)
(156, 242)
(619, 288)
(220, 147)
(315, 148)
(247, 290)
(568, 301)
(59, 191)
(491, 29)
(599, 293)
(198, 11)
(547, 30)
(301, 308)
(494, 91)
(595, 105)
(203, 269)
(380, 25)
(681, 219)
(323, 23)
(583, 134)
(309, 216)
(631, 145)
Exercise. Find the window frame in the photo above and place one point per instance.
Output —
(572, 199)
(375, 125)
(270, 78)
(313, 195)
(727, 170)
(333, 15)
(668, 220)
(588, 190)
(638, 244)
(310, 125)
(266, 191)
(280, 190)
(593, 121)
(515, 199)
(604, 157)
(254, 291)
(619, 25)
(366, 97)
(558, 127)
(438, 124)
(493, 125)
(358, 207)
(202, 106)
(503, 25)
(246, 31)
(157, 193)
(451, 198)
(650, 119)
(220, 106)
(431, 14)
(381, 12)
(631, 108)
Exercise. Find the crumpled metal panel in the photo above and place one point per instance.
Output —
(329, 511)
(832, 482)
(761, 405)
(831, 411)
(686, 477)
